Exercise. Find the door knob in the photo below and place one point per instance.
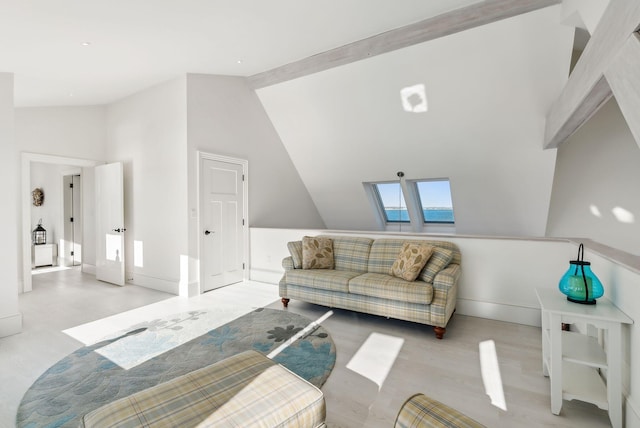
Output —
(207, 232)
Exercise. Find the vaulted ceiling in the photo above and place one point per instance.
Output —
(83, 53)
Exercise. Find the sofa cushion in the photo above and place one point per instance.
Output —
(386, 286)
(295, 249)
(247, 389)
(317, 253)
(439, 260)
(325, 279)
(411, 260)
(351, 253)
(383, 253)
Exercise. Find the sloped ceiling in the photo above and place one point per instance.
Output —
(69, 52)
(488, 91)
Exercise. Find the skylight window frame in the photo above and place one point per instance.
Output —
(381, 206)
(415, 190)
(413, 205)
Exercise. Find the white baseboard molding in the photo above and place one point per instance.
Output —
(90, 269)
(167, 286)
(265, 275)
(499, 312)
(11, 325)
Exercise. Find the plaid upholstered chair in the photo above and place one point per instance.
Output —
(420, 411)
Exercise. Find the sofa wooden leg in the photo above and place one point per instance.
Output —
(285, 302)
(439, 331)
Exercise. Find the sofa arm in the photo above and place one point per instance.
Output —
(445, 295)
(287, 263)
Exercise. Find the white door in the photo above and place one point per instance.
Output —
(70, 250)
(109, 223)
(222, 208)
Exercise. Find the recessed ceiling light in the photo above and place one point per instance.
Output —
(86, 43)
(239, 61)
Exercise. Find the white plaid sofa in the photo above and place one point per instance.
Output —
(245, 390)
(360, 280)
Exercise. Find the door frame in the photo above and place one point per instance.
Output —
(26, 160)
(245, 210)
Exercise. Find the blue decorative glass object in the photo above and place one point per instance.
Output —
(579, 283)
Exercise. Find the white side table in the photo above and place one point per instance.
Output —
(573, 361)
(44, 255)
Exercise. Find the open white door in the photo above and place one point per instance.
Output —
(110, 223)
(222, 221)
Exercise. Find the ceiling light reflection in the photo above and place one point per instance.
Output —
(595, 211)
(623, 215)
(414, 99)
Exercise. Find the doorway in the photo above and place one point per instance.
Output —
(71, 245)
(223, 219)
(27, 159)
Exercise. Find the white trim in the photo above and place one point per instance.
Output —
(245, 211)
(266, 275)
(159, 284)
(11, 325)
(499, 312)
(26, 160)
(90, 269)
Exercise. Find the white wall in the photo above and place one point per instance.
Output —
(74, 132)
(61, 134)
(10, 317)
(597, 173)
(498, 281)
(226, 118)
(488, 91)
(147, 132)
(48, 177)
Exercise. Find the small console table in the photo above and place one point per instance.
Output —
(44, 255)
(573, 361)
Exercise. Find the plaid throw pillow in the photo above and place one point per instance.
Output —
(439, 260)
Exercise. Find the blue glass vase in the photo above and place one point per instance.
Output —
(579, 283)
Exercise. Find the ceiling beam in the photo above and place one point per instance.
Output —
(481, 13)
(587, 89)
(624, 78)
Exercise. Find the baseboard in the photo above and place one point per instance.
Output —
(90, 269)
(11, 325)
(265, 275)
(167, 286)
(499, 312)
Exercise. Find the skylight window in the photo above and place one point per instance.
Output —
(393, 203)
(423, 204)
(435, 199)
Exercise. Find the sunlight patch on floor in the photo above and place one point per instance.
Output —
(302, 333)
(491, 374)
(376, 356)
(226, 304)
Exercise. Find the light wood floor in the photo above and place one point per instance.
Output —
(448, 369)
